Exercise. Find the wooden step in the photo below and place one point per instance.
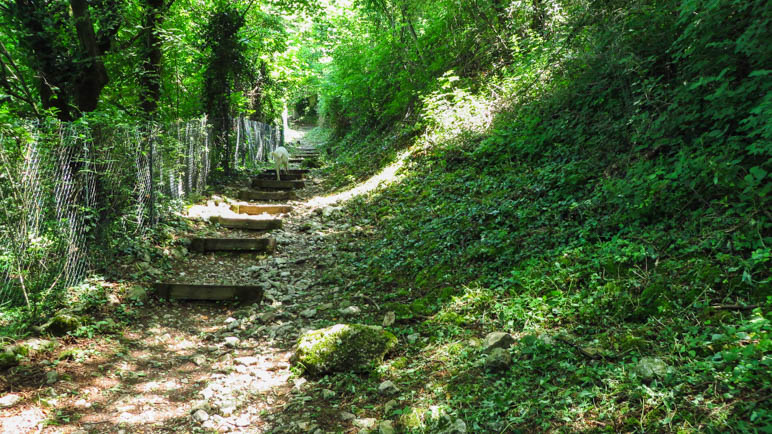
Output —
(284, 176)
(267, 195)
(277, 185)
(296, 160)
(247, 223)
(261, 209)
(186, 291)
(291, 171)
(233, 244)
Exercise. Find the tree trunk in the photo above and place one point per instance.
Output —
(93, 77)
(150, 81)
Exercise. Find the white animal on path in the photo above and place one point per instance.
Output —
(280, 159)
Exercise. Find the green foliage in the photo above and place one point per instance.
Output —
(606, 189)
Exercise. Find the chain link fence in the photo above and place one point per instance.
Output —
(67, 187)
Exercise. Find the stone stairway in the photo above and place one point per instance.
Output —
(256, 218)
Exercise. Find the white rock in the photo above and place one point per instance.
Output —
(9, 400)
(344, 415)
(649, 368)
(389, 319)
(388, 388)
(385, 427)
(52, 377)
(498, 340)
(232, 341)
(365, 423)
(200, 416)
(350, 311)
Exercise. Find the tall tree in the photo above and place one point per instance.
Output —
(65, 50)
(150, 81)
(226, 62)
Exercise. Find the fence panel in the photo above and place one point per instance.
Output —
(65, 187)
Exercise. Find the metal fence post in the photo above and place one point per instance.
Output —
(151, 144)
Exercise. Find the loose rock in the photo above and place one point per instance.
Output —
(385, 427)
(389, 319)
(388, 388)
(232, 341)
(498, 340)
(9, 400)
(200, 416)
(52, 377)
(365, 423)
(350, 311)
(649, 368)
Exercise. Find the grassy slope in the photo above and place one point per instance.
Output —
(595, 232)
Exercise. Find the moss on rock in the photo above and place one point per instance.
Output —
(61, 324)
(342, 347)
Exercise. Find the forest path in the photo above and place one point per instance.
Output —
(192, 366)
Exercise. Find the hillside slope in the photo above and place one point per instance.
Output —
(603, 197)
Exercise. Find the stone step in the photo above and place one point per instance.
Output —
(260, 209)
(187, 291)
(233, 244)
(274, 184)
(284, 176)
(266, 195)
(296, 160)
(247, 223)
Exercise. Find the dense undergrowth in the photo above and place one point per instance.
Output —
(604, 196)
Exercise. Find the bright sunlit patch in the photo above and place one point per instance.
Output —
(385, 177)
(30, 420)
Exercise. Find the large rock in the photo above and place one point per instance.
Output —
(62, 324)
(342, 347)
(498, 340)
(8, 359)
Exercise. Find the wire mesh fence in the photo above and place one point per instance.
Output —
(66, 187)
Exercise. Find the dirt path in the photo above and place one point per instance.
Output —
(199, 366)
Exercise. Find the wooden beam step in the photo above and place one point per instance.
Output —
(247, 223)
(260, 209)
(233, 244)
(267, 195)
(278, 185)
(291, 172)
(284, 176)
(186, 291)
